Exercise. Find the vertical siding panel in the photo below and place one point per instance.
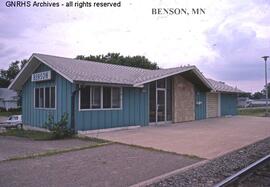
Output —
(146, 106)
(108, 119)
(25, 106)
(94, 120)
(79, 122)
(126, 103)
(131, 107)
(114, 118)
(64, 95)
(59, 96)
(141, 108)
(228, 104)
(101, 118)
(31, 110)
(137, 106)
(88, 121)
(121, 112)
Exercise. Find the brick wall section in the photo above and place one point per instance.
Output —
(183, 100)
(212, 105)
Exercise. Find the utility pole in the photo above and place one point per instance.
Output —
(266, 85)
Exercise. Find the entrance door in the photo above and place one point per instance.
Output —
(161, 105)
(200, 105)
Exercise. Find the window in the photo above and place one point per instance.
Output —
(107, 97)
(98, 97)
(52, 99)
(116, 98)
(45, 97)
(41, 97)
(85, 97)
(37, 97)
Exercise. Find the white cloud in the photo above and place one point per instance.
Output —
(209, 41)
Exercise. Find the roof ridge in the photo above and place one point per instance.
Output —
(90, 61)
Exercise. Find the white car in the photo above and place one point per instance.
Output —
(13, 121)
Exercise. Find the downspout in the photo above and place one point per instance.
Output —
(73, 97)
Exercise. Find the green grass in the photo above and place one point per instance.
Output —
(8, 113)
(34, 135)
(92, 139)
(259, 112)
(40, 135)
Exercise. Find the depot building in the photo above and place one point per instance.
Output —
(101, 96)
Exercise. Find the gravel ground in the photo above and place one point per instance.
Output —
(109, 165)
(220, 168)
(15, 146)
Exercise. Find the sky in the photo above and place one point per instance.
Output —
(226, 43)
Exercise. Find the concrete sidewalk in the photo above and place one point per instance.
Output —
(207, 138)
(12, 147)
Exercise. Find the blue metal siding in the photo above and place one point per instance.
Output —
(134, 107)
(37, 117)
(200, 105)
(228, 104)
(134, 112)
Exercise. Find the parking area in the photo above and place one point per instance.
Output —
(104, 166)
(13, 147)
(207, 138)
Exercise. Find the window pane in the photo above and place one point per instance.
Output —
(161, 83)
(116, 98)
(36, 97)
(85, 97)
(41, 97)
(106, 97)
(52, 97)
(96, 98)
(47, 97)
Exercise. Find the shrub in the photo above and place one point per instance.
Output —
(59, 129)
(15, 110)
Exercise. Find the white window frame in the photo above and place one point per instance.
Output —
(55, 97)
(101, 99)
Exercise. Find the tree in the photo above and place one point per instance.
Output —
(116, 58)
(261, 94)
(244, 95)
(257, 95)
(264, 92)
(6, 76)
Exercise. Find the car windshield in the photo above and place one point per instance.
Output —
(12, 118)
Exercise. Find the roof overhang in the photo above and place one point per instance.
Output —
(194, 72)
(24, 74)
(32, 64)
(82, 83)
(230, 92)
(191, 73)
